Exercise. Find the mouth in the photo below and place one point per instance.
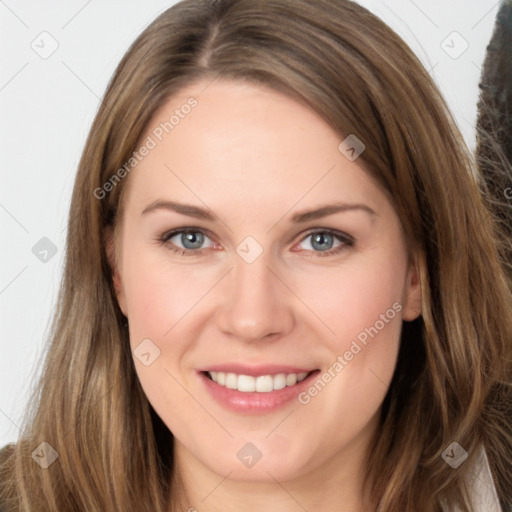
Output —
(256, 384)
(247, 390)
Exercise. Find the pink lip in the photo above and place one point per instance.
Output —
(255, 403)
(254, 371)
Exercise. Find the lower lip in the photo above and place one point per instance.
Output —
(255, 403)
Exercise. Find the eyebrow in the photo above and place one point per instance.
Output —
(297, 218)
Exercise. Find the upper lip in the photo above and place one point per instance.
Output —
(256, 370)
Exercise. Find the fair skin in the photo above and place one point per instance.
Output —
(254, 158)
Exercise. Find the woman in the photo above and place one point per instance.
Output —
(232, 361)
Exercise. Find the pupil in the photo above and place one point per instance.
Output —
(321, 238)
(194, 238)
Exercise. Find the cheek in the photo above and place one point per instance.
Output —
(161, 300)
(160, 295)
(356, 298)
(150, 298)
(361, 306)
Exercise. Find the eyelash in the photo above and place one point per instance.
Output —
(346, 240)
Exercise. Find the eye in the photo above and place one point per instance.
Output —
(187, 242)
(323, 243)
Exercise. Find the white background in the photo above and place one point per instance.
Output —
(47, 106)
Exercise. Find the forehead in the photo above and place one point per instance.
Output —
(247, 142)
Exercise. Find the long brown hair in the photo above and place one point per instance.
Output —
(453, 378)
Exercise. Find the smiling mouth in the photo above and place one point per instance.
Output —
(259, 384)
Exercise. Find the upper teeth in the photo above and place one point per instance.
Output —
(262, 384)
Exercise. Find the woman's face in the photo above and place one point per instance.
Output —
(289, 284)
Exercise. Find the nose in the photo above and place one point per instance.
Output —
(255, 302)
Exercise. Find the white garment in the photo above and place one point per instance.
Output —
(483, 491)
(484, 497)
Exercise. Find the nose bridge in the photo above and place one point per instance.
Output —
(252, 281)
(256, 303)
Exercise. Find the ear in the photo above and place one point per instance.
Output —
(412, 292)
(110, 247)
